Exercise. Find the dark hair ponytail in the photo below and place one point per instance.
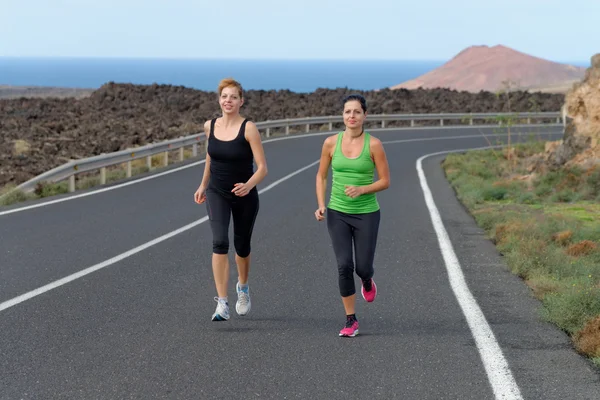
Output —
(357, 97)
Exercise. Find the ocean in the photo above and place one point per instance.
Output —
(295, 75)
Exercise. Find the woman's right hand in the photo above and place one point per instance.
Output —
(320, 214)
(200, 195)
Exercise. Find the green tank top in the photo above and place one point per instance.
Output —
(357, 171)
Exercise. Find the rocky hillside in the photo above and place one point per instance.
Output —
(39, 134)
(15, 92)
(490, 68)
(581, 142)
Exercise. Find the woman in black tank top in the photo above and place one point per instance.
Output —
(229, 189)
(230, 160)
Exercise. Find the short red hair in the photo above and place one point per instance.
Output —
(227, 82)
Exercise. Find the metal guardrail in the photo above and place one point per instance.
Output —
(267, 125)
(101, 162)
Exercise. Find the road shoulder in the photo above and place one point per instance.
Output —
(541, 357)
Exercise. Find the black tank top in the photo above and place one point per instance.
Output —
(231, 161)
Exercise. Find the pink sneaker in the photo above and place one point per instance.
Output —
(351, 328)
(371, 294)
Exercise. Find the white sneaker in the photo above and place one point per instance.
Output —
(222, 311)
(242, 306)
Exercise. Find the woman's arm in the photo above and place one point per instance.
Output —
(321, 179)
(200, 195)
(253, 137)
(206, 176)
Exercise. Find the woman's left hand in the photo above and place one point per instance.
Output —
(240, 189)
(354, 191)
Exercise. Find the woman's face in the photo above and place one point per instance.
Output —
(230, 100)
(354, 115)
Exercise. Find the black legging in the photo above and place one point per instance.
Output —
(244, 210)
(343, 230)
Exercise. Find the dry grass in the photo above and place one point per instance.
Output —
(21, 147)
(562, 238)
(505, 231)
(587, 341)
(541, 286)
(582, 248)
(547, 228)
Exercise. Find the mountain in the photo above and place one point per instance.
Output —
(488, 68)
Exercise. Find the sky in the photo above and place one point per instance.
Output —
(558, 30)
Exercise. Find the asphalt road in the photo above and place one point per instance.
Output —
(137, 325)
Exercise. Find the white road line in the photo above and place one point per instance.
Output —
(104, 264)
(60, 282)
(157, 175)
(497, 369)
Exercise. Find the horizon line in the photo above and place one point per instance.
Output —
(182, 58)
(225, 58)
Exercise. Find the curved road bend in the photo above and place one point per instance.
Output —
(139, 326)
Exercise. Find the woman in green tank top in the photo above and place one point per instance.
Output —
(353, 212)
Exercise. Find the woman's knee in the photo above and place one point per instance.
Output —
(345, 267)
(364, 271)
(346, 286)
(220, 245)
(242, 247)
(364, 262)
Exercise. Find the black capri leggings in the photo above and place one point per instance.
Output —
(244, 209)
(362, 229)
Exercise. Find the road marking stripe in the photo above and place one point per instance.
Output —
(503, 384)
(104, 264)
(89, 270)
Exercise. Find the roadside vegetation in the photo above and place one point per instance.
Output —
(547, 227)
